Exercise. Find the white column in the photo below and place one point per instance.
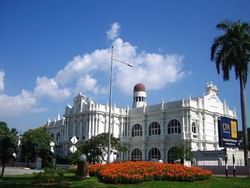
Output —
(184, 128)
(200, 132)
(216, 139)
(89, 126)
(189, 125)
(98, 124)
(96, 119)
(92, 125)
(204, 132)
(80, 127)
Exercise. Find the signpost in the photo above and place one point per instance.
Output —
(73, 148)
(228, 137)
(74, 140)
(228, 132)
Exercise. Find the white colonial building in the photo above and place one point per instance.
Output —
(150, 132)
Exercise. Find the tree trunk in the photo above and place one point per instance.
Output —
(244, 118)
(3, 167)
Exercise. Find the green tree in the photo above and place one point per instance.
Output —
(8, 139)
(181, 152)
(232, 50)
(75, 157)
(35, 143)
(96, 148)
(241, 137)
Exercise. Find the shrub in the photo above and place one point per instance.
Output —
(136, 172)
(50, 175)
(62, 160)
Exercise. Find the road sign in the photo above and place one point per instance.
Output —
(74, 140)
(73, 149)
(228, 132)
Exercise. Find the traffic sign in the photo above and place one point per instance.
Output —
(73, 149)
(74, 140)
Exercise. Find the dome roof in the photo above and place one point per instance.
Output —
(139, 87)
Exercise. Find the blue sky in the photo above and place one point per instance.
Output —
(50, 50)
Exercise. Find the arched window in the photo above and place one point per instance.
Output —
(136, 155)
(173, 155)
(174, 126)
(137, 130)
(154, 129)
(154, 154)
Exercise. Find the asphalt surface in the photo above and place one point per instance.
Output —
(9, 171)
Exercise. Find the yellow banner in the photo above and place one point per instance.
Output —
(233, 129)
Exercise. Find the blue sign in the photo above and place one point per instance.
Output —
(228, 132)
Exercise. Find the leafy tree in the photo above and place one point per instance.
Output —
(8, 139)
(241, 137)
(75, 157)
(35, 143)
(232, 50)
(96, 148)
(180, 152)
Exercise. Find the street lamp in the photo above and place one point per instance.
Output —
(110, 98)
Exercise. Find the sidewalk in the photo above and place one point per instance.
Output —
(230, 176)
(9, 171)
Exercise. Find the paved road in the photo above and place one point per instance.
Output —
(18, 171)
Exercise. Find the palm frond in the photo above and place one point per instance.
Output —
(224, 25)
(232, 49)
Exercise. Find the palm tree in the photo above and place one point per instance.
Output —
(232, 50)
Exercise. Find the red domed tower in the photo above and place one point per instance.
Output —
(140, 95)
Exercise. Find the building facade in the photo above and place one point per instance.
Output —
(150, 132)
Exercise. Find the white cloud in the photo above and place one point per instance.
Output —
(82, 65)
(89, 84)
(155, 70)
(2, 74)
(85, 72)
(114, 31)
(49, 87)
(23, 103)
(89, 74)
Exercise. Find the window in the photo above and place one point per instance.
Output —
(194, 130)
(154, 129)
(137, 130)
(139, 99)
(174, 126)
(154, 154)
(136, 155)
(57, 137)
(52, 136)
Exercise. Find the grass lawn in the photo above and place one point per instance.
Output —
(26, 181)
